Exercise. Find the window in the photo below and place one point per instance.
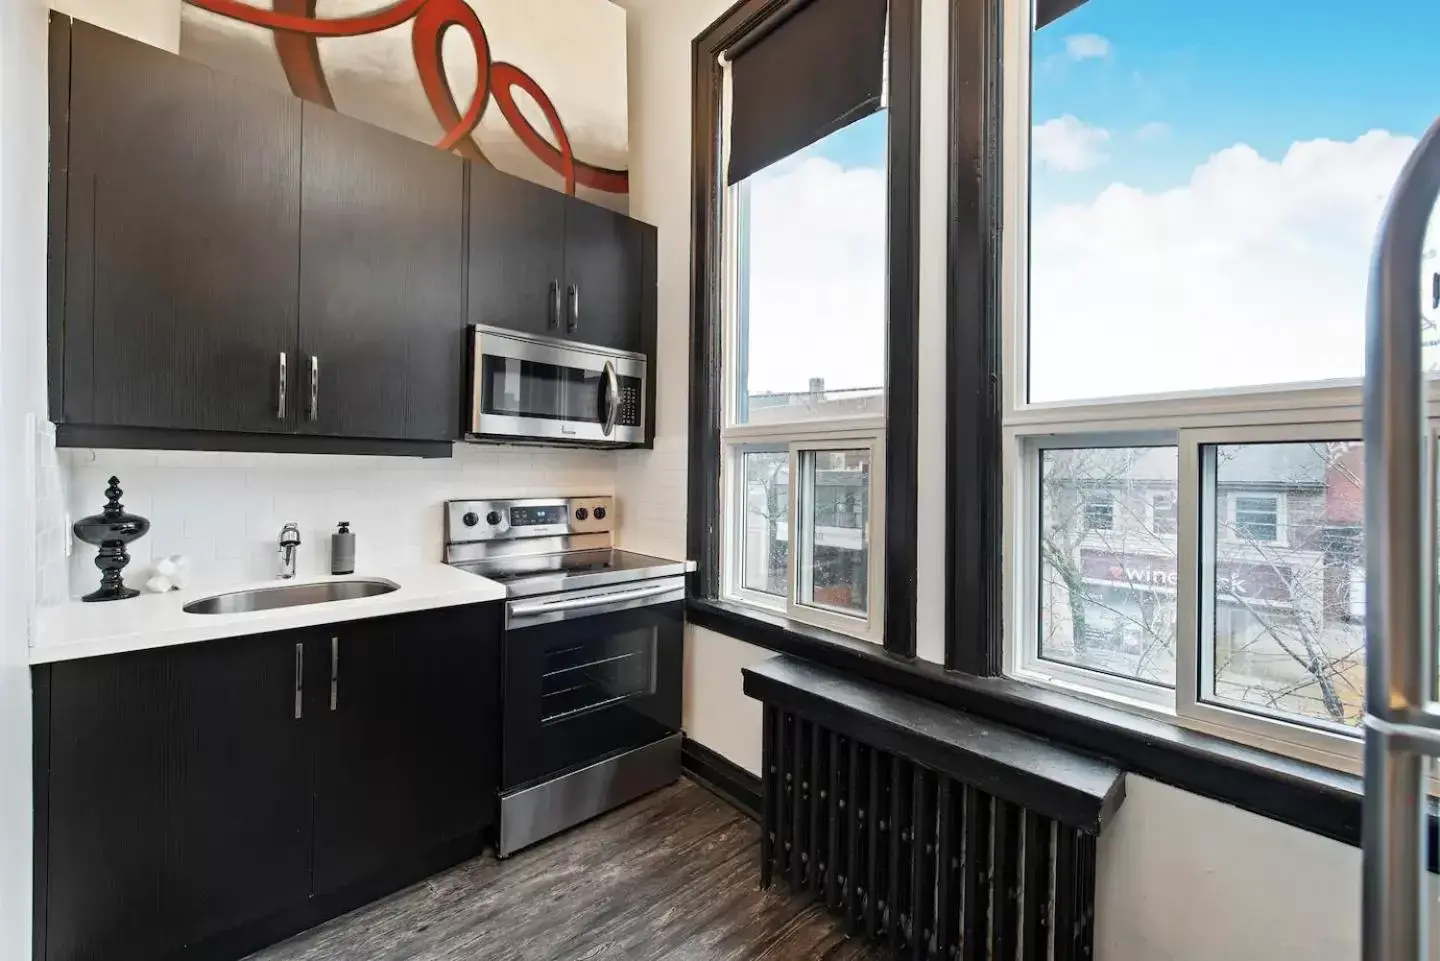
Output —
(1106, 590)
(1185, 477)
(1099, 510)
(832, 570)
(1162, 512)
(808, 300)
(804, 248)
(1255, 518)
(1277, 635)
(764, 525)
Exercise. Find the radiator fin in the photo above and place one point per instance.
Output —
(917, 859)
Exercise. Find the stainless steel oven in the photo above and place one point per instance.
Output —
(589, 674)
(524, 386)
(593, 658)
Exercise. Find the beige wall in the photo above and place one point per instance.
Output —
(151, 21)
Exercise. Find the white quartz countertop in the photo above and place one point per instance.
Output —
(74, 629)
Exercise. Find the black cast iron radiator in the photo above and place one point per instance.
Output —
(943, 836)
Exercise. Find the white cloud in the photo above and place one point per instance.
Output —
(1152, 132)
(817, 277)
(1255, 271)
(1087, 46)
(1068, 144)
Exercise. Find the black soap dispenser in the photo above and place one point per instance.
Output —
(342, 550)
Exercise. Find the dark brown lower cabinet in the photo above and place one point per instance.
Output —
(203, 800)
(406, 751)
(179, 797)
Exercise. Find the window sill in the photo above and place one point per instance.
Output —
(1306, 796)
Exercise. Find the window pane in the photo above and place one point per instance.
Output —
(1206, 184)
(1163, 518)
(810, 287)
(765, 555)
(834, 566)
(1107, 575)
(1283, 596)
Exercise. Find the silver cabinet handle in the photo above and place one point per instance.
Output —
(314, 388)
(555, 306)
(334, 672)
(280, 401)
(612, 407)
(299, 680)
(574, 323)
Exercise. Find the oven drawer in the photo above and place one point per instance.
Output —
(583, 681)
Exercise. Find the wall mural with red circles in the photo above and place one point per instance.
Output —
(535, 87)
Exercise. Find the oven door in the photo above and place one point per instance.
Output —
(589, 673)
(538, 387)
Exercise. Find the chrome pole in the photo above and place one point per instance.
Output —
(1399, 730)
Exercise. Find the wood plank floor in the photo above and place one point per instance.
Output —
(674, 875)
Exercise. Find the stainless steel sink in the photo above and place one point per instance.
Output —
(290, 595)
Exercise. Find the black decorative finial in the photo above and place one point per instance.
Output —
(111, 530)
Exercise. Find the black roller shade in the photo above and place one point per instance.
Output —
(820, 68)
(1048, 11)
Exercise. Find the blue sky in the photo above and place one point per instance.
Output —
(1149, 290)
(1261, 72)
(1215, 74)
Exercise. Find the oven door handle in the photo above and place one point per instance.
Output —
(520, 615)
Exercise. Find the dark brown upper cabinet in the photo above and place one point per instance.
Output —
(181, 232)
(544, 263)
(233, 269)
(603, 276)
(238, 270)
(382, 342)
(517, 253)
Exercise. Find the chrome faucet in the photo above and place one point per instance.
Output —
(289, 547)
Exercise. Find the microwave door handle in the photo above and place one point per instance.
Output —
(612, 400)
(594, 600)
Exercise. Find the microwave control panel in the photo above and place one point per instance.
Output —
(630, 402)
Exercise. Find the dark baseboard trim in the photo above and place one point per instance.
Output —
(722, 777)
(1302, 795)
(156, 438)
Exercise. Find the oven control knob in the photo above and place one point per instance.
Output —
(492, 518)
(599, 513)
(581, 514)
(471, 519)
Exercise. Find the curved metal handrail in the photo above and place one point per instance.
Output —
(1399, 576)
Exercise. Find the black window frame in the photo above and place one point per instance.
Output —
(1307, 796)
(745, 19)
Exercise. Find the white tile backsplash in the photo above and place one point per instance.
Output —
(225, 510)
(52, 529)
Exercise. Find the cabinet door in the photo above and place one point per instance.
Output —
(517, 253)
(381, 283)
(407, 759)
(179, 797)
(182, 237)
(603, 271)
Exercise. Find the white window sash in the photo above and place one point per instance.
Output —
(850, 432)
(869, 626)
(1295, 412)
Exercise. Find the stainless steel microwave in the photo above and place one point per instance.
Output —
(529, 387)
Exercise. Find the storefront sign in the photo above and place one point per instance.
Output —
(1260, 582)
